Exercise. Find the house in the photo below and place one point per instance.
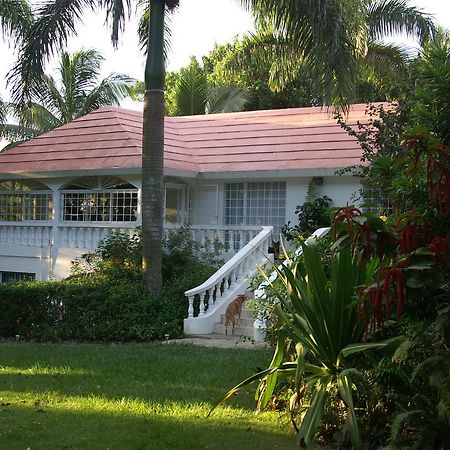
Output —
(227, 175)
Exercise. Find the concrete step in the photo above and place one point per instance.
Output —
(242, 322)
(243, 326)
(238, 331)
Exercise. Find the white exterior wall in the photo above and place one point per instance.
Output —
(27, 259)
(341, 189)
(54, 261)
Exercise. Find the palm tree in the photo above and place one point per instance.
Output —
(329, 35)
(193, 94)
(78, 92)
(331, 38)
(15, 20)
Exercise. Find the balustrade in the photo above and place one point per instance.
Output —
(227, 239)
(30, 234)
(213, 290)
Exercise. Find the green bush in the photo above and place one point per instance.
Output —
(105, 299)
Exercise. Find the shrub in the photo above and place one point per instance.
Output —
(312, 215)
(105, 299)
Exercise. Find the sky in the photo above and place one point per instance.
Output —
(196, 26)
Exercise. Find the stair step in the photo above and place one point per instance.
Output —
(238, 331)
(242, 322)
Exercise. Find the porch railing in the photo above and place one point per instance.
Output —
(38, 235)
(229, 239)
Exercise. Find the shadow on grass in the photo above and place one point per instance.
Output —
(130, 397)
(26, 427)
(152, 372)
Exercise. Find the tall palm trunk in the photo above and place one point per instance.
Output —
(153, 152)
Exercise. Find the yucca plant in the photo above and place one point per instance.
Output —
(319, 317)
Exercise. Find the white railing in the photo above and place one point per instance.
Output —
(231, 238)
(39, 235)
(88, 236)
(216, 289)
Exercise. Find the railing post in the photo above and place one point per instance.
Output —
(202, 304)
(191, 306)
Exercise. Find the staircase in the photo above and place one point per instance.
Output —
(208, 302)
(243, 326)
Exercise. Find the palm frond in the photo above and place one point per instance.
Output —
(326, 34)
(55, 22)
(143, 27)
(110, 91)
(266, 48)
(16, 133)
(386, 61)
(117, 11)
(191, 94)
(389, 17)
(226, 99)
(15, 18)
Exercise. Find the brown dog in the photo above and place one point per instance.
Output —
(234, 310)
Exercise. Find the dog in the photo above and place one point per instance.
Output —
(234, 310)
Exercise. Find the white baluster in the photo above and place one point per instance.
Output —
(39, 236)
(218, 291)
(231, 241)
(241, 239)
(65, 237)
(32, 236)
(209, 296)
(203, 237)
(191, 306)
(95, 238)
(202, 304)
(221, 238)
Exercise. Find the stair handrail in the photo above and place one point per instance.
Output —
(260, 294)
(232, 266)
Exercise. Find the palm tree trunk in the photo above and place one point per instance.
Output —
(153, 152)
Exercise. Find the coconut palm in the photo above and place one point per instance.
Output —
(331, 38)
(329, 34)
(77, 92)
(15, 20)
(194, 94)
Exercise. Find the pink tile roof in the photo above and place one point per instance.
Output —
(109, 138)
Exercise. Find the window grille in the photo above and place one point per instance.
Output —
(258, 203)
(19, 203)
(6, 277)
(375, 201)
(100, 206)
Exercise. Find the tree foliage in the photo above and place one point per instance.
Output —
(77, 91)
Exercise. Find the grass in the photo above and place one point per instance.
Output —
(134, 396)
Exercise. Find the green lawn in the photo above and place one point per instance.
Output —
(134, 396)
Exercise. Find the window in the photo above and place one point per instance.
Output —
(6, 277)
(103, 199)
(375, 201)
(24, 200)
(258, 203)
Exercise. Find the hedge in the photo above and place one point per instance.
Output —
(95, 310)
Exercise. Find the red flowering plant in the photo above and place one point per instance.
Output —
(373, 235)
(411, 249)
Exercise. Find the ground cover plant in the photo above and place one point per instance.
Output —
(135, 396)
